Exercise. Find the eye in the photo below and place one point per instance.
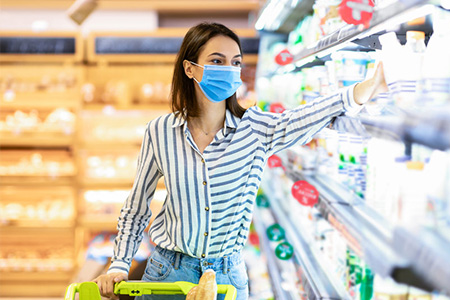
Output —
(216, 61)
(237, 63)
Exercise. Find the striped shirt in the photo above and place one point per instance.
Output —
(210, 195)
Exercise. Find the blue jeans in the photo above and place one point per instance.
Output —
(168, 266)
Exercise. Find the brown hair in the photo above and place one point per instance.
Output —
(183, 90)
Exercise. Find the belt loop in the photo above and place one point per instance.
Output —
(177, 260)
(225, 265)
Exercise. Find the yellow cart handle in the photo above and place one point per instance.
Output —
(90, 291)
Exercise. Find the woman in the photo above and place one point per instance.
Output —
(211, 153)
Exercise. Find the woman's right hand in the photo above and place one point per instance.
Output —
(106, 283)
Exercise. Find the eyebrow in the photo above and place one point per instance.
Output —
(221, 55)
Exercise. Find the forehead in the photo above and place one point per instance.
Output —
(222, 44)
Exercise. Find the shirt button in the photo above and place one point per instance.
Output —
(206, 234)
(203, 161)
(203, 255)
(207, 208)
(204, 182)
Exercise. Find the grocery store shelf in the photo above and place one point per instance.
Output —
(164, 107)
(36, 139)
(41, 100)
(34, 223)
(112, 183)
(368, 233)
(429, 128)
(429, 255)
(35, 275)
(386, 17)
(274, 273)
(99, 222)
(37, 180)
(318, 284)
(158, 5)
(111, 144)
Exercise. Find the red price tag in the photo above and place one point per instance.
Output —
(276, 108)
(253, 238)
(284, 58)
(274, 161)
(356, 11)
(305, 193)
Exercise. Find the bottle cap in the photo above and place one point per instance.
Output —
(388, 38)
(403, 159)
(417, 35)
(415, 165)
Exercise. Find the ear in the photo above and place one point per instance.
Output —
(188, 69)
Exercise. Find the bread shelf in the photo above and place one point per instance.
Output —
(37, 180)
(39, 224)
(99, 222)
(36, 139)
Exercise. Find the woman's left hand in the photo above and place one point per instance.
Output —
(370, 88)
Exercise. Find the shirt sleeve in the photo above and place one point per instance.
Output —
(278, 131)
(135, 213)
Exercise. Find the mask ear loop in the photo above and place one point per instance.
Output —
(197, 66)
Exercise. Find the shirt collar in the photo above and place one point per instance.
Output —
(231, 121)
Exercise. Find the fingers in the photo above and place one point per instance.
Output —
(192, 293)
(106, 284)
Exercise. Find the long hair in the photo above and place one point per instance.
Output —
(183, 91)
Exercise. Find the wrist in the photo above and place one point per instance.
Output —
(364, 91)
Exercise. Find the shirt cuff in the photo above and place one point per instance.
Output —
(118, 267)
(350, 106)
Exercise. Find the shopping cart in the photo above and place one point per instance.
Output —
(90, 291)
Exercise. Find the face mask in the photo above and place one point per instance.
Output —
(219, 82)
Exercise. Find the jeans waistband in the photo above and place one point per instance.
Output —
(201, 264)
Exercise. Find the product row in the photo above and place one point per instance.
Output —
(330, 245)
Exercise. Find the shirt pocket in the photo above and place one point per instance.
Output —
(158, 267)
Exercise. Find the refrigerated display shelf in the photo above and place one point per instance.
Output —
(394, 13)
(317, 283)
(371, 235)
(429, 255)
(431, 130)
(274, 272)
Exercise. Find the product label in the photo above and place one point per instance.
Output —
(284, 58)
(305, 193)
(356, 11)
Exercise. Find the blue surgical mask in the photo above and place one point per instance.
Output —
(219, 82)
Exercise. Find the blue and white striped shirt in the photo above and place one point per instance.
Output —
(210, 195)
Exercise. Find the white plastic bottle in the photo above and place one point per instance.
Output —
(436, 70)
(411, 75)
(391, 53)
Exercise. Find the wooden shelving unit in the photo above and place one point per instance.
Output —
(48, 82)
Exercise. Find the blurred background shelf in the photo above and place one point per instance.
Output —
(37, 181)
(36, 139)
(99, 222)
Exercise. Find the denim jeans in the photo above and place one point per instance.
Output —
(168, 266)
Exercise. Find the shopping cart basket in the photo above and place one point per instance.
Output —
(90, 291)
